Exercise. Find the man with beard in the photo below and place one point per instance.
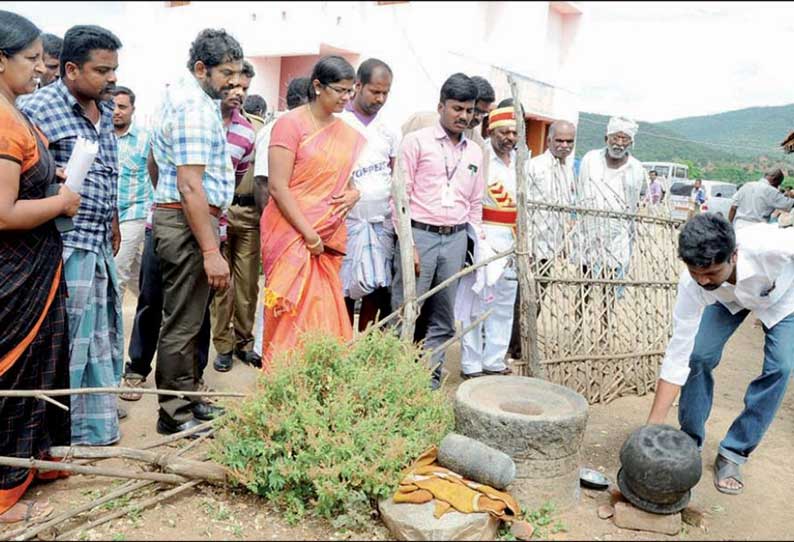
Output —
(233, 309)
(729, 274)
(195, 183)
(73, 107)
(495, 286)
(366, 273)
(610, 179)
(52, 58)
(135, 189)
(444, 185)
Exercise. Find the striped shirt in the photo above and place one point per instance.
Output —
(240, 137)
(135, 188)
(62, 120)
(189, 131)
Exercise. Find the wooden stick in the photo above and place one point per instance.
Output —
(70, 535)
(52, 401)
(26, 533)
(178, 436)
(85, 469)
(528, 304)
(129, 487)
(432, 291)
(117, 391)
(458, 336)
(406, 241)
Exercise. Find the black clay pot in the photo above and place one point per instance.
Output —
(659, 467)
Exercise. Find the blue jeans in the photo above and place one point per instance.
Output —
(763, 396)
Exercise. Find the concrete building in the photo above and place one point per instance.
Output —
(423, 42)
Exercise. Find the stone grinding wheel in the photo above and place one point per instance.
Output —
(659, 467)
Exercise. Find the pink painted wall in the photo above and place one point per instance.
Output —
(301, 66)
(268, 73)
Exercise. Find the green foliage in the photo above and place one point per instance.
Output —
(541, 519)
(331, 427)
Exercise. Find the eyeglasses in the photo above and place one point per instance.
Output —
(343, 91)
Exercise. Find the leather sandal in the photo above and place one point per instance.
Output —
(132, 381)
(725, 469)
(505, 371)
(468, 376)
(35, 511)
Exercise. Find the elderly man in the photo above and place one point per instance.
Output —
(729, 274)
(551, 179)
(756, 201)
(495, 286)
(610, 179)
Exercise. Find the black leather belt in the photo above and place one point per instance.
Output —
(244, 200)
(443, 230)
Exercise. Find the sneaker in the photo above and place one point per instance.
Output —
(223, 363)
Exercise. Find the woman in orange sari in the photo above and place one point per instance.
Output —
(303, 233)
(34, 342)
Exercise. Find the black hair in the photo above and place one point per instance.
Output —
(485, 91)
(214, 47)
(706, 239)
(16, 33)
(248, 70)
(118, 89)
(52, 45)
(367, 68)
(653, 171)
(298, 92)
(80, 40)
(330, 69)
(459, 87)
(507, 102)
(255, 105)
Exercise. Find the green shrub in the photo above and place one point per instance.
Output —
(331, 427)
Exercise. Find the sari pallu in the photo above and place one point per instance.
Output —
(34, 341)
(304, 292)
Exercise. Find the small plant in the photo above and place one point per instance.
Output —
(331, 428)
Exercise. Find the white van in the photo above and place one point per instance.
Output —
(719, 196)
(668, 172)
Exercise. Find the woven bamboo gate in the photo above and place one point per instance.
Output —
(603, 326)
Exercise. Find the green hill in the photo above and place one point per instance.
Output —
(749, 132)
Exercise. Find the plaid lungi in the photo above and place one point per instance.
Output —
(97, 343)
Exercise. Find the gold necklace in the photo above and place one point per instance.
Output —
(314, 119)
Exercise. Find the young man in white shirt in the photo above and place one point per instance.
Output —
(366, 268)
(728, 275)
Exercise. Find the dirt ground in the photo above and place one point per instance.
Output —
(762, 512)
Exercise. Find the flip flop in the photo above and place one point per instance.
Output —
(725, 469)
(35, 511)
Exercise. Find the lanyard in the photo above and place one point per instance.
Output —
(450, 175)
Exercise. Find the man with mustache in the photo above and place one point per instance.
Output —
(233, 310)
(366, 273)
(195, 184)
(729, 274)
(72, 107)
(444, 184)
(610, 179)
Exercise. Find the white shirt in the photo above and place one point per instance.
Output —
(261, 145)
(755, 202)
(607, 241)
(372, 172)
(500, 177)
(553, 182)
(764, 285)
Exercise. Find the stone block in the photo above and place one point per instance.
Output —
(522, 530)
(605, 511)
(630, 517)
(476, 461)
(694, 516)
(416, 522)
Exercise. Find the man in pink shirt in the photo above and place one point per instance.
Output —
(444, 183)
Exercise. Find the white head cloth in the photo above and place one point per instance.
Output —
(622, 124)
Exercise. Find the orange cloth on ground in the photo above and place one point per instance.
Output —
(304, 292)
(425, 480)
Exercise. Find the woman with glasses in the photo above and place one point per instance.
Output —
(34, 343)
(303, 234)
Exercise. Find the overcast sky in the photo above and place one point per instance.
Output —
(663, 60)
(649, 60)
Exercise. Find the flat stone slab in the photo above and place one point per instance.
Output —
(628, 516)
(416, 522)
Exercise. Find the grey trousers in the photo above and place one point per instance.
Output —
(440, 257)
(185, 296)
